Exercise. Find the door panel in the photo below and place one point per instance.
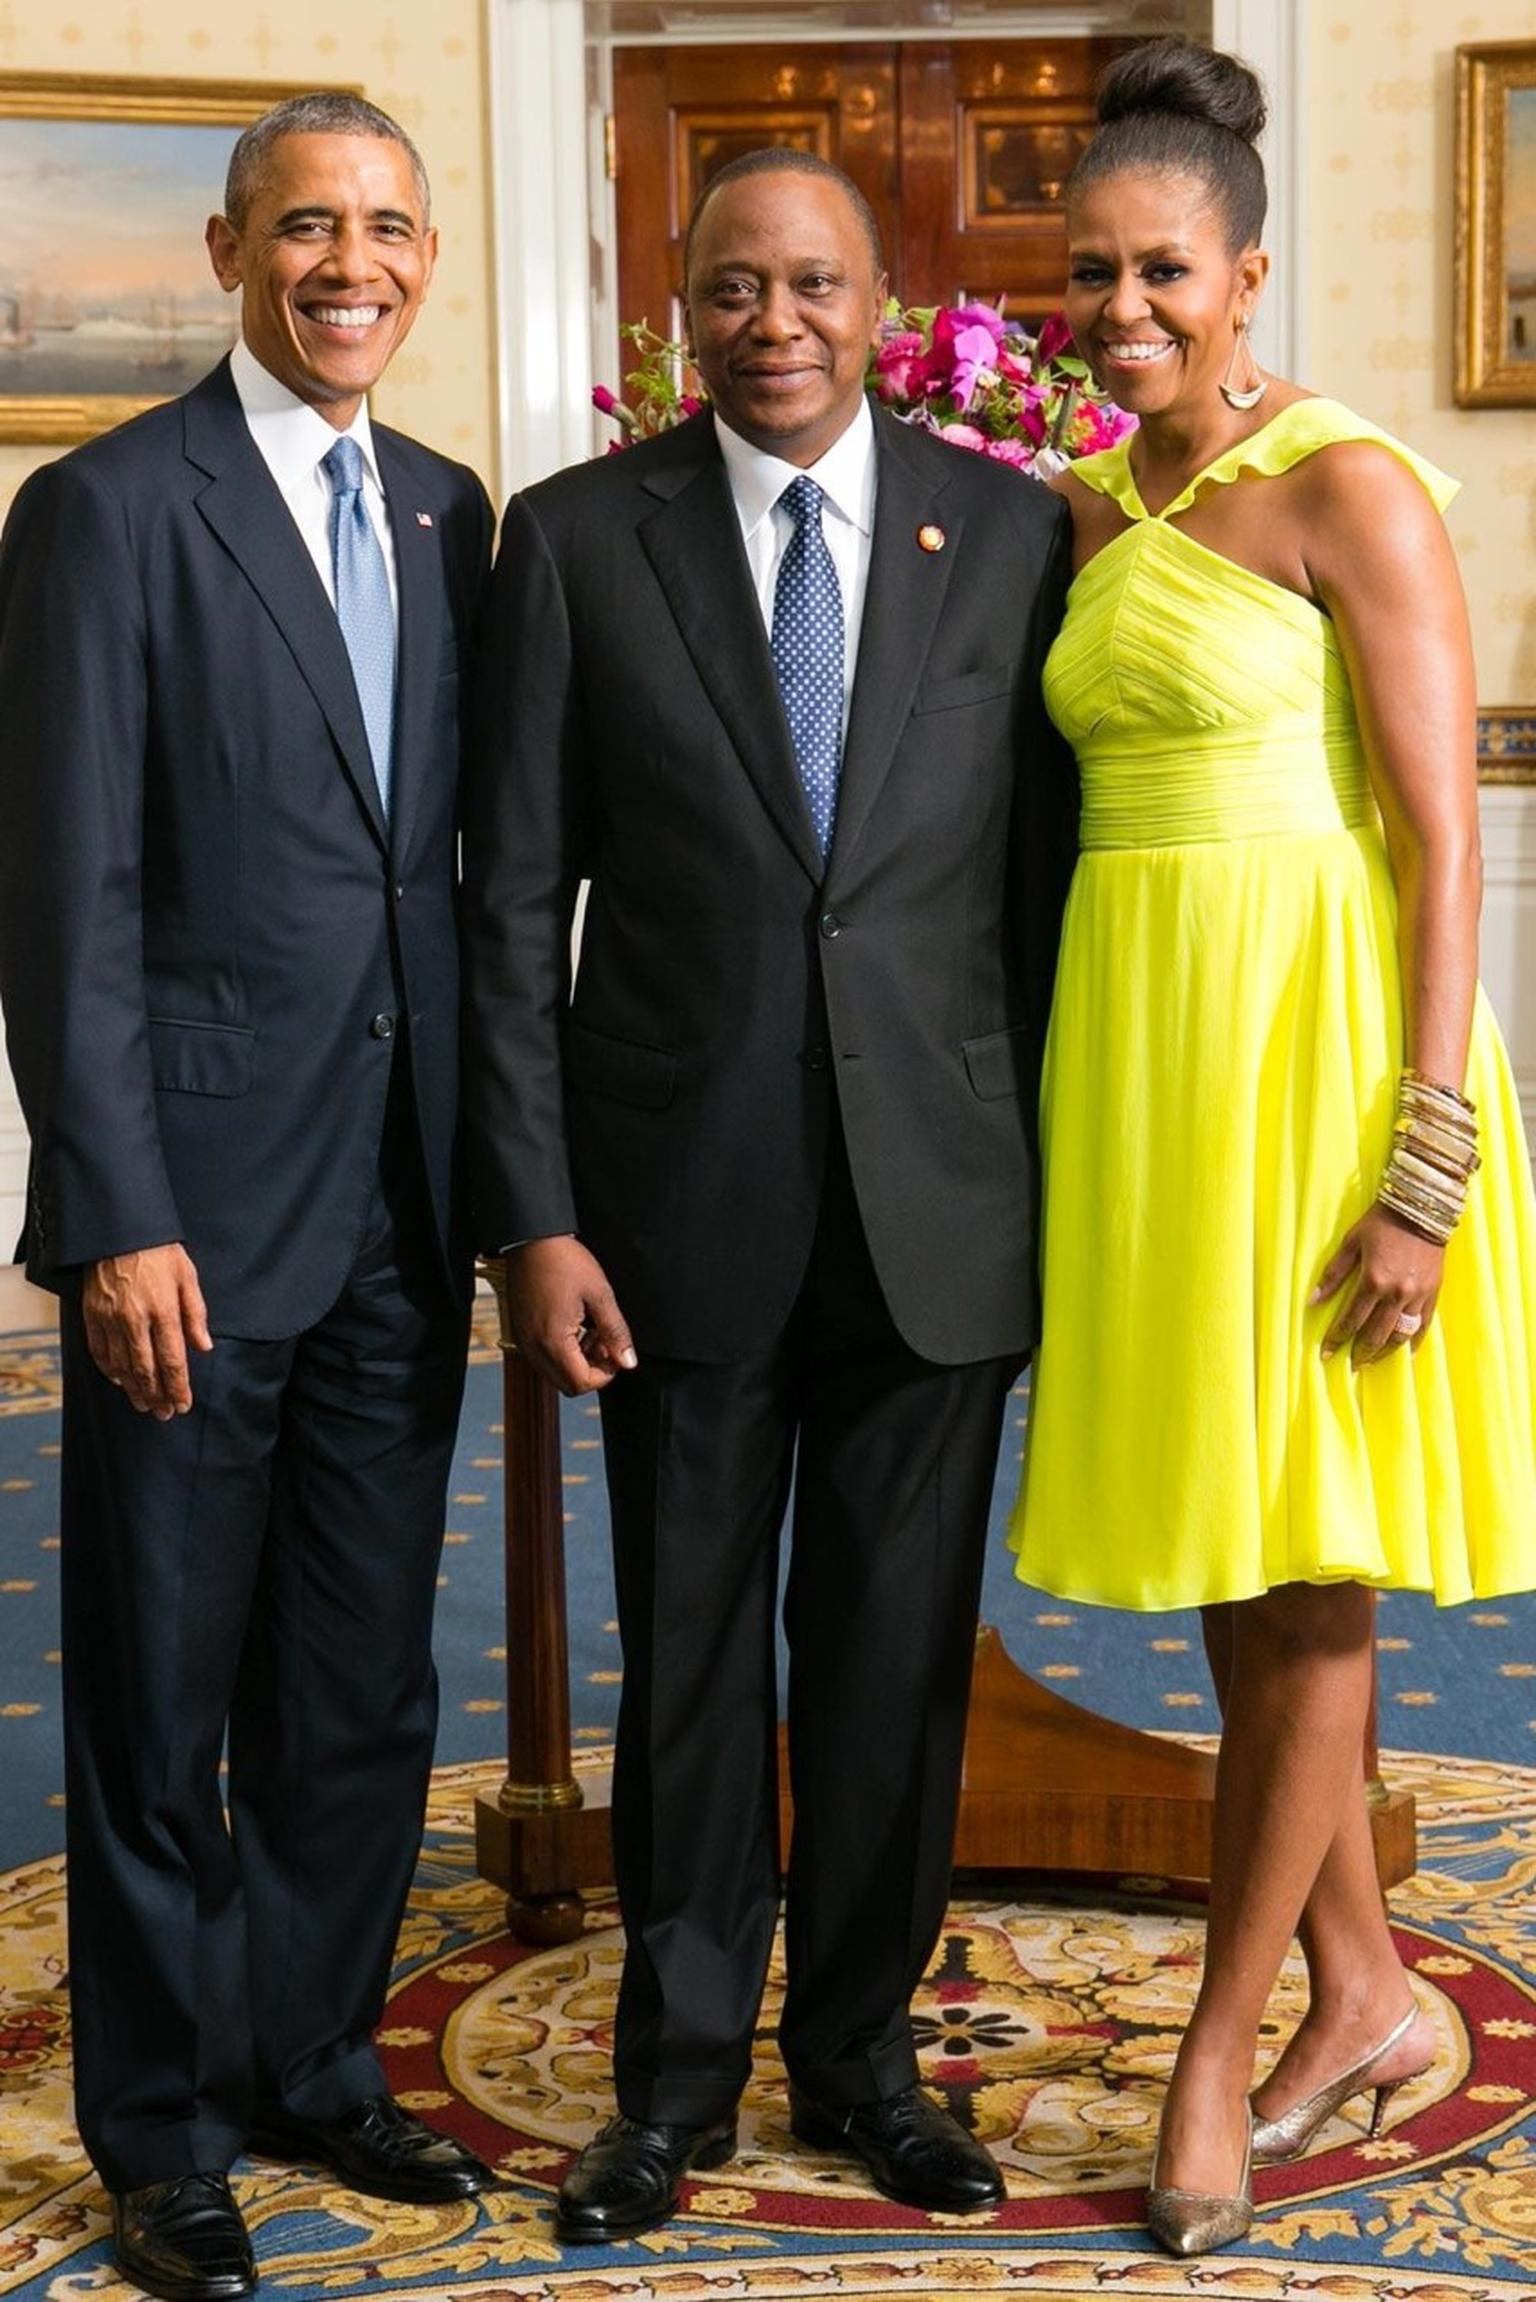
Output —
(682, 113)
(989, 133)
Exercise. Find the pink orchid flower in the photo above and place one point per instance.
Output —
(1055, 336)
(899, 365)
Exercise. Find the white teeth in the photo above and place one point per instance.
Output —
(1139, 352)
(345, 315)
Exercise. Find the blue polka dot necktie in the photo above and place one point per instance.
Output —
(808, 653)
(364, 608)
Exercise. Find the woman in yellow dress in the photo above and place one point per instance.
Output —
(1290, 1239)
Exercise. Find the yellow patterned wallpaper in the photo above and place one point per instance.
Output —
(424, 65)
(1380, 311)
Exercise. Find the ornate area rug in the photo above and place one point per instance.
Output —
(1049, 2023)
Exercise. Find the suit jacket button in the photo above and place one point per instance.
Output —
(817, 1058)
(830, 925)
(383, 1027)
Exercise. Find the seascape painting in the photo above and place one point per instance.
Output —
(105, 288)
(1520, 223)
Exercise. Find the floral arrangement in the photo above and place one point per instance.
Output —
(661, 384)
(959, 370)
(963, 372)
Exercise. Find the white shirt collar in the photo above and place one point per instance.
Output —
(845, 474)
(292, 435)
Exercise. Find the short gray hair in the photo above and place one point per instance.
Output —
(328, 112)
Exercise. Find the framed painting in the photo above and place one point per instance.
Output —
(1496, 225)
(107, 299)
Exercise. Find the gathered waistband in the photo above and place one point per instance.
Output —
(1220, 790)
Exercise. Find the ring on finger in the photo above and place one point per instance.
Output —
(1408, 1323)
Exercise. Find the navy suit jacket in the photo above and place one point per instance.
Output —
(210, 941)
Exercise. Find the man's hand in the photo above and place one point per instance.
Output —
(563, 1316)
(142, 1311)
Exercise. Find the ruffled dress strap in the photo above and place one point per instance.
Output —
(1291, 435)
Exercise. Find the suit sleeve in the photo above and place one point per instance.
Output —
(1046, 814)
(73, 731)
(522, 867)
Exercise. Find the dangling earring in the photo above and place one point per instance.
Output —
(1228, 390)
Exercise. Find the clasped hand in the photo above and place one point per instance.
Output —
(1397, 1283)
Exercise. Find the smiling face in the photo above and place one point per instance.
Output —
(332, 260)
(784, 304)
(1154, 292)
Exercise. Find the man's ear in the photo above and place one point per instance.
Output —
(223, 244)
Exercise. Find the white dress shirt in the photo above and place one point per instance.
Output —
(293, 438)
(846, 478)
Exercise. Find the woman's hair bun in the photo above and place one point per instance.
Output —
(1174, 76)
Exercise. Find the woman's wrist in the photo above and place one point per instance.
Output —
(1433, 1158)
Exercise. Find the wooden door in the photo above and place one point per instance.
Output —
(961, 149)
(681, 113)
(989, 133)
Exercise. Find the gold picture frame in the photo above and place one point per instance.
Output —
(1496, 225)
(107, 302)
(1506, 743)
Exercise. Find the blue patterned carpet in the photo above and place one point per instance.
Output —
(1459, 1680)
(1051, 2022)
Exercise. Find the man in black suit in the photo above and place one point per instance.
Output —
(769, 1179)
(230, 640)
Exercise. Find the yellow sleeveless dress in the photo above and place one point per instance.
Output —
(1220, 1088)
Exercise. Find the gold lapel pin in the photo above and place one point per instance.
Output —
(930, 539)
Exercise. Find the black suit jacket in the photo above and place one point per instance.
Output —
(204, 922)
(630, 731)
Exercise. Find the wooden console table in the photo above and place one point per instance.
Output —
(1048, 1785)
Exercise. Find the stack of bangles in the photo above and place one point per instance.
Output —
(1434, 1157)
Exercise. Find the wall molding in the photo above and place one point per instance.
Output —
(1507, 813)
(1271, 36)
(1506, 743)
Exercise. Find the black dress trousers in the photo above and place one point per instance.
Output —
(892, 1459)
(263, 1566)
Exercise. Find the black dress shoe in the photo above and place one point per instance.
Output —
(183, 2240)
(379, 2148)
(628, 2180)
(914, 2151)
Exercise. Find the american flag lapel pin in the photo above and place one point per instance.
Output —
(423, 519)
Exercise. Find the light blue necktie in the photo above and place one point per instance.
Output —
(364, 608)
(808, 654)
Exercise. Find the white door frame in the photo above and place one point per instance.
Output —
(553, 222)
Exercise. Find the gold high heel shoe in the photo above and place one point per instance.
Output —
(1195, 2221)
(1276, 2139)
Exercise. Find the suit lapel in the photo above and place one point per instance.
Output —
(902, 602)
(245, 510)
(693, 542)
(419, 572)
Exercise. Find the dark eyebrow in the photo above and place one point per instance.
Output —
(1143, 255)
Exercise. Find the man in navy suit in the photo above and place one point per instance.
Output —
(230, 643)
